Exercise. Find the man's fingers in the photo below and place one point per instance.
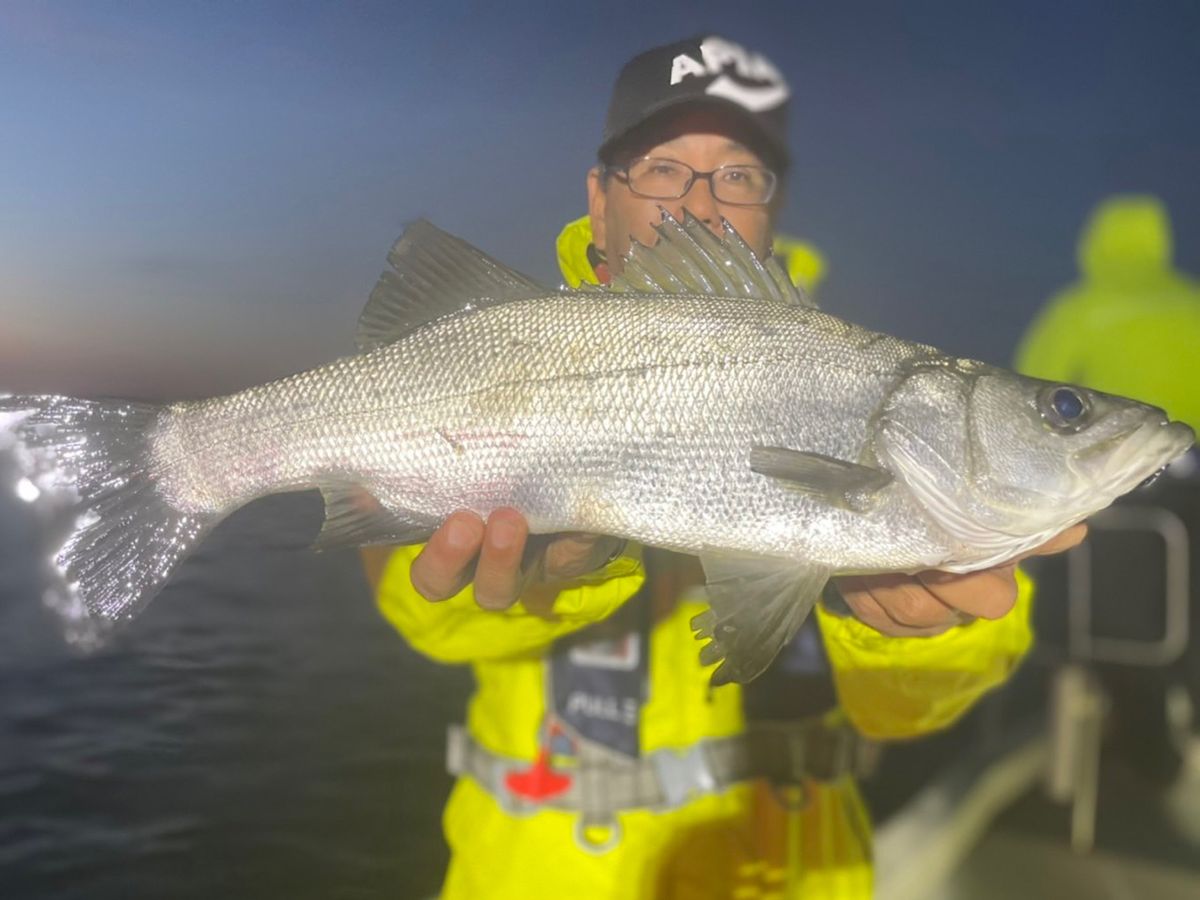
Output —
(992, 593)
(896, 605)
(908, 602)
(1064, 540)
(498, 572)
(573, 554)
(986, 594)
(464, 549)
(444, 567)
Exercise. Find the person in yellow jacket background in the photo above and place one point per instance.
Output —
(1130, 325)
(597, 761)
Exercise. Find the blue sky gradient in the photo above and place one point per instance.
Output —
(197, 197)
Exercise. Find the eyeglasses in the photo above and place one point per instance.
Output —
(656, 178)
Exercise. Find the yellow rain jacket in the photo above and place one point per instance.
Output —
(1131, 324)
(741, 843)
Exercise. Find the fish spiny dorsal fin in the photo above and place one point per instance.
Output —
(434, 274)
(689, 258)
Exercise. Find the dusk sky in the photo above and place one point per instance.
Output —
(196, 197)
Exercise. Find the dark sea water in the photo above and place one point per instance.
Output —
(258, 732)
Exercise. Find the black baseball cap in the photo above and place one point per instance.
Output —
(704, 71)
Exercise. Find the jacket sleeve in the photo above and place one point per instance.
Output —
(892, 687)
(459, 631)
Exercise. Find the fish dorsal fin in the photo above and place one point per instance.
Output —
(433, 274)
(689, 259)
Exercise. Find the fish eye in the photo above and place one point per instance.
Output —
(1067, 404)
(1064, 408)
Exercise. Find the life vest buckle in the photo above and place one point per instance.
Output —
(680, 775)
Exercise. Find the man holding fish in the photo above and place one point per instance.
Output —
(597, 761)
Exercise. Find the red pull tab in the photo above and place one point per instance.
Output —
(539, 781)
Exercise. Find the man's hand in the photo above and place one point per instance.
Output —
(931, 602)
(495, 557)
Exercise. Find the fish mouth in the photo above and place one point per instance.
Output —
(1122, 462)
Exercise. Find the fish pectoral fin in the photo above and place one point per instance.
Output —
(434, 274)
(840, 482)
(354, 518)
(757, 605)
(688, 258)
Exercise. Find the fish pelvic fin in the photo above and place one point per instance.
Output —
(87, 468)
(433, 274)
(757, 606)
(688, 258)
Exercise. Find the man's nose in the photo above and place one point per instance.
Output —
(701, 203)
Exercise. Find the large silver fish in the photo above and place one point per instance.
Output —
(700, 403)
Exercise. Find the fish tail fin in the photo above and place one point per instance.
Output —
(88, 468)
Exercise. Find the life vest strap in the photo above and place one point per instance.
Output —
(598, 786)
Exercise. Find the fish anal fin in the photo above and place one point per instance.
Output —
(354, 518)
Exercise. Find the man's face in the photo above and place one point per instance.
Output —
(702, 142)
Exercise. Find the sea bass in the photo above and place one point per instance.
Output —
(698, 403)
